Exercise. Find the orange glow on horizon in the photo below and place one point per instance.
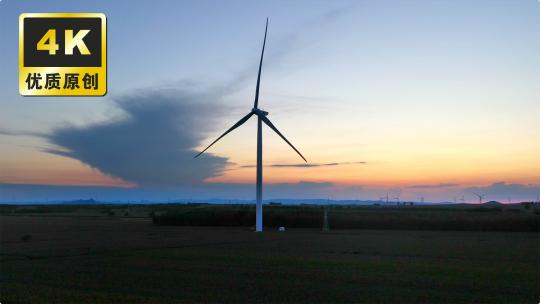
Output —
(49, 169)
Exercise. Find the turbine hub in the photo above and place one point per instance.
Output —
(259, 112)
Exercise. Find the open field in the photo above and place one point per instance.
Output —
(487, 217)
(104, 259)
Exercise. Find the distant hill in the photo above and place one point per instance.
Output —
(89, 201)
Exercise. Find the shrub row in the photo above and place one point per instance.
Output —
(312, 217)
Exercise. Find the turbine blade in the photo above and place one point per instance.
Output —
(236, 125)
(256, 103)
(271, 125)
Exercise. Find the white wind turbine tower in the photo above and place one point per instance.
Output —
(480, 196)
(261, 117)
(397, 197)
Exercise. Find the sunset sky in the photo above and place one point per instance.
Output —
(433, 99)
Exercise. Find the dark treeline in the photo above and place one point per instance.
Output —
(356, 217)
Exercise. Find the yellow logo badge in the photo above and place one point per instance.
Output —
(62, 54)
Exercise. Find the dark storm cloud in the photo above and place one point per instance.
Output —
(153, 144)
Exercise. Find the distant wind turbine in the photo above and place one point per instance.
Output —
(480, 196)
(326, 227)
(261, 117)
(385, 197)
(397, 197)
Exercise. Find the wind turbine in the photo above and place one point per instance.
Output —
(480, 196)
(326, 227)
(386, 196)
(397, 197)
(261, 117)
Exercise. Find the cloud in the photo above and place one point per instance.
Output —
(200, 191)
(7, 132)
(502, 190)
(152, 144)
(442, 185)
(303, 165)
(308, 165)
(236, 191)
(287, 43)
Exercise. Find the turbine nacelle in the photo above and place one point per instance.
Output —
(259, 112)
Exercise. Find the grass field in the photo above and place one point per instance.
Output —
(110, 259)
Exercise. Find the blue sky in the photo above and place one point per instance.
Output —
(424, 92)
